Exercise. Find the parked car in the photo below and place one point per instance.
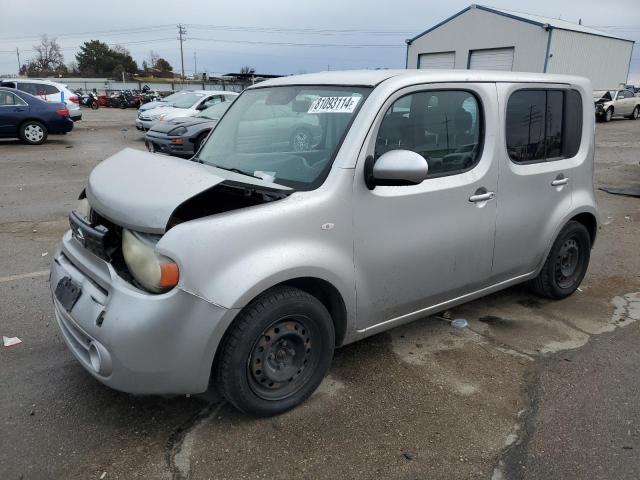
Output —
(31, 119)
(48, 91)
(183, 136)
(240, 269)
(164, 102)
(616, 103)
(185, 105)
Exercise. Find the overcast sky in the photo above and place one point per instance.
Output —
(329, 28)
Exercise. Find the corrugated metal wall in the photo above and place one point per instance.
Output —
(478, 29)
(605, 61)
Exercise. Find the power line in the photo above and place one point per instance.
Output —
(96, 32)
(294, 44)
(305, 31)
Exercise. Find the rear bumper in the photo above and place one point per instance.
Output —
(131, 340)
(75, 115)
(64, 125)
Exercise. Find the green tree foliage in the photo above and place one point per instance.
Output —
(98, 59)
(163, 65)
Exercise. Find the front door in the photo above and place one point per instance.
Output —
(420, 245)
(13, 110)
(539, 160)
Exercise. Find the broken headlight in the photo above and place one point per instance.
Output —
(83, 207)
(153, 271)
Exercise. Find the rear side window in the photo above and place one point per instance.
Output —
(444, 126)
(543, 125)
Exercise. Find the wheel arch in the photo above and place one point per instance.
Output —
(587, 219)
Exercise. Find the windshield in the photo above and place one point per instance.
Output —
(215, 111)
(173, 97)
(187, 100)
(287, 135)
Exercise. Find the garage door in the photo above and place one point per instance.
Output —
(436, 60)
(491, 59)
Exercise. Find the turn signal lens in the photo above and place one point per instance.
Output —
(63, 112)
(153, 271)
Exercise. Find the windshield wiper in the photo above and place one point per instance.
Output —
(236, 170)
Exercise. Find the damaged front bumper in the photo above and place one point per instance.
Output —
(132, 340)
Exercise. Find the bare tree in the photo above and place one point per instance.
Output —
(121, 50)
(49, 58)
(248, 70)
(153, 59)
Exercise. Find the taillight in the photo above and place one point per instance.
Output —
(63, 111)
(74, 99)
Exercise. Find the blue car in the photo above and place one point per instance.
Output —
(30, 119)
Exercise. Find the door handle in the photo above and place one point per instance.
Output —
(559, 181)
(482, 197)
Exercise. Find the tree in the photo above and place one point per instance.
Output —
(48, 60)
(98, 59)
(153, 58)
(247, 70)
(162, 65)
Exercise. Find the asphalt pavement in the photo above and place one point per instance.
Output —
(531, 389)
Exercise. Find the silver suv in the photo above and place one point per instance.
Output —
(244, 268)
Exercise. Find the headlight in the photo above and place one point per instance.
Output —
(178, 131)
(153, 271)
(83, 207)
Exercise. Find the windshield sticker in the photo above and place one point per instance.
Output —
(334, 105)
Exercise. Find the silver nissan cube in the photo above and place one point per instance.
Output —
(322, 209)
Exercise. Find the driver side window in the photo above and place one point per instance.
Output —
(443, 126)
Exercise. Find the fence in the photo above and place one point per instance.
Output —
(101, 85)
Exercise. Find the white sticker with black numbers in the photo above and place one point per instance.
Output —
(334, 105)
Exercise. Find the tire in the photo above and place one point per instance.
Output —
(608, 115)
(566, 264)
(198, 141)
(94, 105)
(301, 140)
(276, 352)
(33, 133)
(635, 113)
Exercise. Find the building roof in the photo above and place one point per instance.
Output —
(412, 76)
(528, 18)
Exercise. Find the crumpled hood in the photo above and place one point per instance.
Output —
(140, 190)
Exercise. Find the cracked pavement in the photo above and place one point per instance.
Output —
(531, 389)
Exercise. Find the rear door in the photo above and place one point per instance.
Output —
(542, 132)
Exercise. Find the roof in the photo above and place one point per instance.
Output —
(528, 18)
(372, 78)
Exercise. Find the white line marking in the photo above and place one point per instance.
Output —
(21, 276)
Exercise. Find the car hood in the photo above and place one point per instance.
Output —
(151, 105)
(140, 190)
(168, 125)
(158, 111)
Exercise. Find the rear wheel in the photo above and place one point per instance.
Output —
(276, 352)
(566, 264)
(33, 133)
(635, 113)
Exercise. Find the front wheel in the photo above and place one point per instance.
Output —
(94, 105)
(33, 133)
(276, 352)
(566, 264)
(608, 115)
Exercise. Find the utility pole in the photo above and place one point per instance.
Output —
(195, 64)
(181, 32)
(19, 64)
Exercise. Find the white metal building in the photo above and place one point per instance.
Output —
(486, 38)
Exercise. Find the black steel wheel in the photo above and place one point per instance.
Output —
(276, 352)
(283, 358)
(566, 264)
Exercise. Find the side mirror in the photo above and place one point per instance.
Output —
(396, 167)
(201, 107)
